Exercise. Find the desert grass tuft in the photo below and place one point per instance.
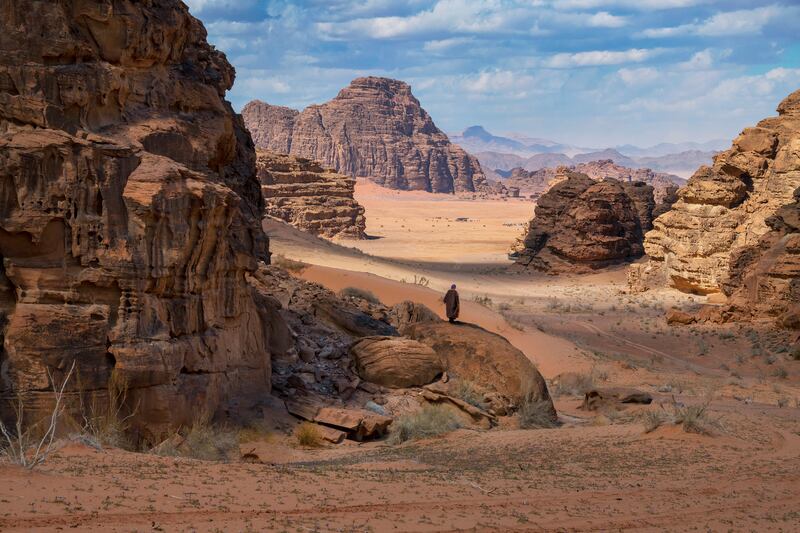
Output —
(288, 264)
(573, 384)
(430, 421)
(308, 434)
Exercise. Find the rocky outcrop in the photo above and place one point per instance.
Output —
(312, 198)
(539, 181)
(484, 359)
(763, 280)
(725, 208)
(374, 128)
(129, 212)
(581, 224)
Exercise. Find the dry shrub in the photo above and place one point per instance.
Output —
(308, 434)
(288, 264)
(361, 294)
(204, 441)
(29, 445)
(652, 421)
(430, 421)
(467, 391)
(535, 413)
(691, 418)
(255, 431)
(105, 419)
(573, 384)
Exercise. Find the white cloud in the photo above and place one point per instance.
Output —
(740, 22)
(704, 59)
(638, 76)
(634, 4)
(604, 19)
(442, 45)
(600, 57)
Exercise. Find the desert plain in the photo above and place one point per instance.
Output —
(603, 470)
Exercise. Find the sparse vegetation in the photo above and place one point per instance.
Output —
(288, 264)
(467, 391)
(204, 441)
(308, 434)
(795, 354)
(29, 445)
(652, 421)
(780, 373)
(483, 300)
(105, 422)
(573, 384)
(361, 294)
(695, 419)
(535, 414)
(430, 421)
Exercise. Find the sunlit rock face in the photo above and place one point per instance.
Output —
(374, 128)
(726, 207)
(129, 210)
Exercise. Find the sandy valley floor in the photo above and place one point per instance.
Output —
(598, 472)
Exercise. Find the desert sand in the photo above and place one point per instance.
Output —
(599, 471)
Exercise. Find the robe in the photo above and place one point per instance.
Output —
(452, 304)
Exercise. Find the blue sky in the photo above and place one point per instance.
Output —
(587, 72)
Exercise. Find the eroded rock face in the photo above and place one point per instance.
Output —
(312, 198)
(396, 362)
(725, 207)
(581, 224)
(764, 280)
(374, 128)
(129, 211)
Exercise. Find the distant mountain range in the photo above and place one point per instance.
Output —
(501, 154)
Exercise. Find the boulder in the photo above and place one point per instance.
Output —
(472, 354)
(376, 129)
(359, 424)
(676, 316)
(396, 362)
(596, 399)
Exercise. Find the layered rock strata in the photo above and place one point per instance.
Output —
(725, 207)
(129, 212)
(374, 128)
(312, 198)
(581, 224)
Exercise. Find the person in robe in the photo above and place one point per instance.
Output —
(452, 306)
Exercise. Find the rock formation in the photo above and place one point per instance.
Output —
(696, 245)
(539, 181)
(129, 211)
(374, 128)
(396, 362)
(763, 280)
(310, 197)
(581, 224)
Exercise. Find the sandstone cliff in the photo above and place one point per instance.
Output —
(374, 128)
(725, 207)
(312, 198)
(129, 211)
(581, 224)
(764, 279)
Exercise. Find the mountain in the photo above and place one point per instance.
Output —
(682, 163)
(374, 128)
(476, 139)
(663, 149)
(608, 153)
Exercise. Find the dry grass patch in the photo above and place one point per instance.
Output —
(430, 421)
(361, 294)
(288, 264)
(308, 434)
(204, 441)
(573, 384)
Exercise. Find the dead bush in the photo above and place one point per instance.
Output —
(307, 434)
(29, 445)
(652, 421)
(467, 391)
(361, 294)
(204, 441)
(288, 264)
(430, 421)
(106, 418)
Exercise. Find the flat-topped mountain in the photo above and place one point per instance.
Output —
(374, 128)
